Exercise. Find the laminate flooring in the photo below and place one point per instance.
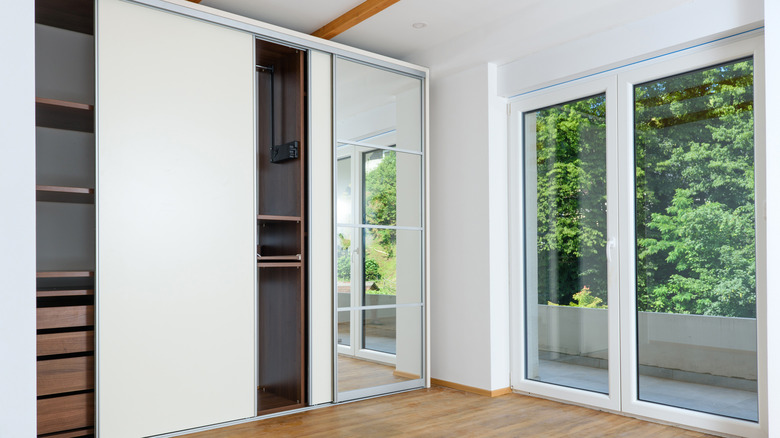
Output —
(359, 374)
(444, 412)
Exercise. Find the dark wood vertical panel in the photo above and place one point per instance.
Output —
(280, 183)
(282, 306)
(279, 238)
(280, 332)
(75, 15)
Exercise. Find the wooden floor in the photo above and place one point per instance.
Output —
(444, 412)
(358, 374)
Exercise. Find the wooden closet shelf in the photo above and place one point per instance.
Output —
(74, 15)
(279, 265)
(64, 293)
(61, 114)
(88, 431)
(296, 257)
(65, 274)
(64, 103)
(272, 218)
(77, 195)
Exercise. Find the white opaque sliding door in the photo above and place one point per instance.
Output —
(176, 222)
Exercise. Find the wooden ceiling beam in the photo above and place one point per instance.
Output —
(353, 17)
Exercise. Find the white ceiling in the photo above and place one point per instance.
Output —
(390, 32)
(457, 32)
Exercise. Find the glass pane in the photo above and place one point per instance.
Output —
(378, 107)
(391, 353)
(389, 187)
(695, 241)
(391, 192)
(566, 217)
(345, 249)
(345, 211)
(345, 331)
(379, 330)
(392, 266)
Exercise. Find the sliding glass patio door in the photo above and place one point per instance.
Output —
(637, 266)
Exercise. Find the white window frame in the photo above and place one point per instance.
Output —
(518, 201)
(661, 68)
(623, 397)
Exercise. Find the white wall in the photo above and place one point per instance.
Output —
(772, 72)
(464, 319)
(713, 345)
(498, 186)
(17, 221)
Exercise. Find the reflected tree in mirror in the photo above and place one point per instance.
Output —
(380, 209)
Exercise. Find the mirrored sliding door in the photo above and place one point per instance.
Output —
(379, 233)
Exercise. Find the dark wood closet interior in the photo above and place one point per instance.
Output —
(65, 190)
(281, 222)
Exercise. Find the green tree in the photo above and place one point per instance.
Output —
(344, 260)
(571, 199)
(695, 215)
(380, 201)
(371, 272)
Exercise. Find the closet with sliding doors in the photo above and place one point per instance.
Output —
(186, 219)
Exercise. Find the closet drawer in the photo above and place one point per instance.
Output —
(69, 316)
(66, 375)
(66, 343)
(65, 413)
(80, 433)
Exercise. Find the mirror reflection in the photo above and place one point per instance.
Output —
(379, 235)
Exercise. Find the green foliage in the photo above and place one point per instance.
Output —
(583, 298)
(695, 203)
(380, 209)
(571, 193)
(344, 262)
(380, 201)
(695, 213)
(371, 270)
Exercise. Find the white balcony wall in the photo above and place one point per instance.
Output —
(715, 345)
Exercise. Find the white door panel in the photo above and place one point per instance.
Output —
(176, 221)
